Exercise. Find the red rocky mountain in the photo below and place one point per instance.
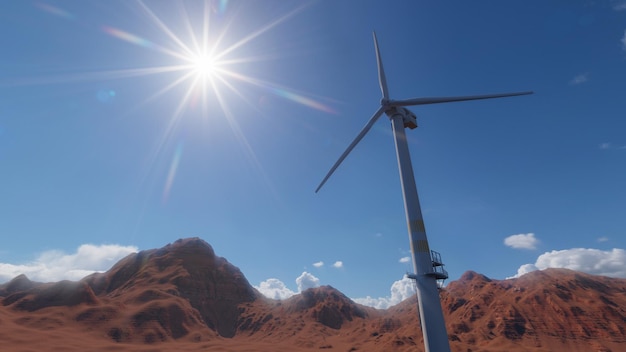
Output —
(183, 297)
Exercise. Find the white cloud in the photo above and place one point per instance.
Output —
(589, 260)
(56, 265)
(522, 241)
(603, 239)
(619, 5)
(405, 259)
(400, 290)
(582, 78)
(624, 41)
(318, 264)
(524, 269)
(274, 289)
(338, 264)
(307, 280)
(608, 145)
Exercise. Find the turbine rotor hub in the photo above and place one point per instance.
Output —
(408, 118)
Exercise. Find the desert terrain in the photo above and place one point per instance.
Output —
(183, 297)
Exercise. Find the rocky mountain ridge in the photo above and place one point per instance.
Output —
(184, 294)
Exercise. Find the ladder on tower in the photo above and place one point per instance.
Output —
(438, 272)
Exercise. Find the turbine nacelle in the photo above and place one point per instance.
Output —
(408, 117)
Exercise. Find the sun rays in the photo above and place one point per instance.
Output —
(208, 65)
(207, 70)
(202, 60)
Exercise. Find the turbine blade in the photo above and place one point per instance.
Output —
(358, 138)
(382, 80)
(424, 101)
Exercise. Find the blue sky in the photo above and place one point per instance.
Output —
(112, 140)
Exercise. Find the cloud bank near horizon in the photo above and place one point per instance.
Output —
(400, 290)
(56, 265)
(275, 289)
(588, 260)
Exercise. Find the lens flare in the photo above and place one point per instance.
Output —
(300, 99)
(220, 7)
(131, 38)
(282, 92)
(54, 11)
(171, 175)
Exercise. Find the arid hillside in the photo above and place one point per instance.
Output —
(183, 297)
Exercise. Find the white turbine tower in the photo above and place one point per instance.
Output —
(427, 265)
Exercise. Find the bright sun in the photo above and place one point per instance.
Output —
(203, 65)
(207, 65)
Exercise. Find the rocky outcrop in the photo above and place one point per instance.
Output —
(326, 306)
(19, 283)
(542, 308)
(187, 269)
(184, 292)
(63, 293)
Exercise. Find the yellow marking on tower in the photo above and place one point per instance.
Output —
(421, 246)
(418, 225)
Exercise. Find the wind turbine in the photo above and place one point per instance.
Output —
(425, 263)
